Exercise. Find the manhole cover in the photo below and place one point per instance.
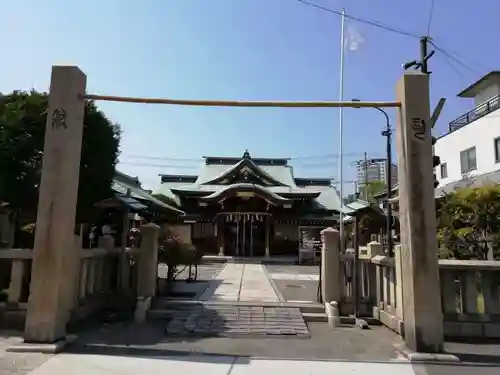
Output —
(294, 286)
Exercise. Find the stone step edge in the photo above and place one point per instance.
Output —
(167, 301)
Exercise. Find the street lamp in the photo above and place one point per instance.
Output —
(387, 132)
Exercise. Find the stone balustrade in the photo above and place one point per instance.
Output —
(470, 291)
(96, 284)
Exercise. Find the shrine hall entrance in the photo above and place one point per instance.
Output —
(245, 234)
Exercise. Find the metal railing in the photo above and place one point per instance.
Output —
(481, 110)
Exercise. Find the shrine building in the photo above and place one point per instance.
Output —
(249, 206)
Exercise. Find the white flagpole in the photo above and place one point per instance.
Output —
(341, 128)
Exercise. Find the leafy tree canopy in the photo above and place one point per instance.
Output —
(22, 131)
(371, 189)
(469, 223)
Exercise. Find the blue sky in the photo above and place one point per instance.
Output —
(244, 49)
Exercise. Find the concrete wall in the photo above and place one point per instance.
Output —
(481, 134)
(486, 94)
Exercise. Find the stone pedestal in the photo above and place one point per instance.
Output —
(54, 251)
(331, 285)
(147, 266)
(423, 318)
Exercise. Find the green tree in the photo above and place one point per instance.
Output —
(372, 188)
(22, 131)
(469, 223)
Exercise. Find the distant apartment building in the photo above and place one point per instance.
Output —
(470, 149)
(373, 170)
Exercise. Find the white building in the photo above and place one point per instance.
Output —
(374, 170)
(470, 150)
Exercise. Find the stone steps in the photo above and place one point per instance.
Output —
(315, 317)
(163, 308)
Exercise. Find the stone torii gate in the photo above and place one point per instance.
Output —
(54, 261)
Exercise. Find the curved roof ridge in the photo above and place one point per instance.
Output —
(240, 164)
(246, 186)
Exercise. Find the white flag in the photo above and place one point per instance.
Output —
(353, 38)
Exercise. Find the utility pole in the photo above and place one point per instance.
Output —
(424, 57)
(365, 166)
(423, 54)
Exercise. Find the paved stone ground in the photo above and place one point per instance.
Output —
(191, 290)
(241, 282)
(206, 271)
(298, 291)
(295, 283)
(376, 344)
(17, 363)
(292, 269)
(226, 320)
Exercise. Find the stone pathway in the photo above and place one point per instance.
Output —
(255, 285)
(238, 282)
(227, 320)
(294, 277)
(241, 282)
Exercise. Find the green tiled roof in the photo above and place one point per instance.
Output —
(282, 174)
(328, 199)
(248, 187)
(122, 185)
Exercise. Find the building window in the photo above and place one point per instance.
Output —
(496, 143)
(444, 170)
(468, 160)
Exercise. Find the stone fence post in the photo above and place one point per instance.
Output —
(399, 282)
(374, 248)
(147, 270)
(331, 280)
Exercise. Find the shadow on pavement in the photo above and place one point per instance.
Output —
(151, 340)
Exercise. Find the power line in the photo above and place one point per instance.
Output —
(159, 158)
(150, 165)
(461, 57)
(457, 60)
(159, 165)
(193, 160)
(361, 20)
(453, 67)
(431, 12)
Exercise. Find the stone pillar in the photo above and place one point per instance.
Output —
(268, 235)
(423, 317)
(399, 282)
(147, 266)
(220, 234)
(16, 280)
(331, 281)
(147, 271)
(54, 248)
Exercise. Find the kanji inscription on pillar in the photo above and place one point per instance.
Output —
(419, 127)
(59, 119)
